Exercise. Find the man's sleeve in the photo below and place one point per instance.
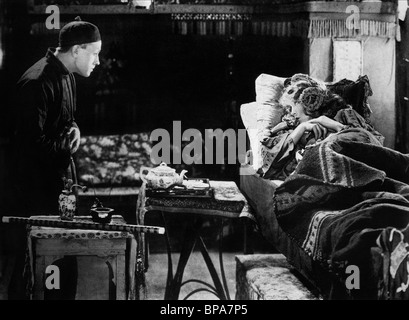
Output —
(32, 116)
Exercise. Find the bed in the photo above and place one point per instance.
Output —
(342, 218)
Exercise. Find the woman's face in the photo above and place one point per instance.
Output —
(298, 109)
(287, 100)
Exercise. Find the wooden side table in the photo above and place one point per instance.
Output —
(228, 203)
(105, 260)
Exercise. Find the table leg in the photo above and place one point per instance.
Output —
(120, 277)
(174, 284)
(169, 277)
(192, 235)
(39, 278)
(226, 289)
(248, 241)
(213, 273)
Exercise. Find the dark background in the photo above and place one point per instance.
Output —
(150, 75)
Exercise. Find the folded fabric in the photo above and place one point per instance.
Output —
(355, 93)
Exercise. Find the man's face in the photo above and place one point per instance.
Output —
(86, 58)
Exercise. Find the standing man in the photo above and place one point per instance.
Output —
(46, 132)
(46, 135)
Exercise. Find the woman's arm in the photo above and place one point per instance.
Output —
(328, 123)
(319, 131)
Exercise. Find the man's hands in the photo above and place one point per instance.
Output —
(74, 138)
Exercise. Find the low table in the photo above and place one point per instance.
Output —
(227, 203)
(104, 261)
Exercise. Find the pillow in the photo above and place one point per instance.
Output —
(354, 93)
(269, 112)
(248, 113)
(262, 115)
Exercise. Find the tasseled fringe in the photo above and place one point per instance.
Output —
(244, 25)
(210, 27)
(239, 28)
(280, 28)
(339, 29)
(297, 28)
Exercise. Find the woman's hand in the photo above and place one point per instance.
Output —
(319, 131)
(299, 133)
(328, 123)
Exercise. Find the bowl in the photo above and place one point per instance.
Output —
(101, 214)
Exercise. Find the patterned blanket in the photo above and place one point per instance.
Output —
(395, 250)
(343, 194)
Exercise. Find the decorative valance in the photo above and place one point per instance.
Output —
(296, 18)
(246, 24)
(339, 29)
(243, 24)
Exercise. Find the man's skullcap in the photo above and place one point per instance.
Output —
(78, 32)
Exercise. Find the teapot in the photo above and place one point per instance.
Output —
(162, 177)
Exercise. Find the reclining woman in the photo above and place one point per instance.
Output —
(341, 186)
(311, 114)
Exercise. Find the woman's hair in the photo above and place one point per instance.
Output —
(332, 104)
(312, 94)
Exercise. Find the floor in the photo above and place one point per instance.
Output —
(233, 244)
(157, 272)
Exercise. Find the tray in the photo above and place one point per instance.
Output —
(192, 188)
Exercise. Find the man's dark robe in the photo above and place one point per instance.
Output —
(45, 106)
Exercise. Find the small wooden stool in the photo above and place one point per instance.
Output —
(100, 257)
(268, 277)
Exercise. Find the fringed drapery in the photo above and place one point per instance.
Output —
(211, 23)
(340, 29)
(248, 24)
(239, 28)
(242, 24)
(204, 28)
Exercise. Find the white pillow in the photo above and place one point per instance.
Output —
(248, 112)
(269, 89)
